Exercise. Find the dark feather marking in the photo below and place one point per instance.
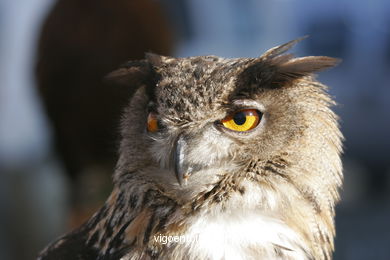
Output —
(218, 197)
(271, 169)
(116, 243)
(197, 72)
(127, 178)
(164, 219)
(308, 256)
(149, 228)
(117, 210)
(133, 199)
(70, 246)
(124, 251)
(93, 239)
(120, 201)
(148, 197)
(153, 253)
(310, 196)
(277, 164)
(241, 190)
(100, 215)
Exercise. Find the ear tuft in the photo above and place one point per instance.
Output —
(299, 67)
(132, 73)
(275, 68)
(154, 59)
(278, 50)
(287, 68)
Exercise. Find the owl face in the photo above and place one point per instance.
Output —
(198, 119)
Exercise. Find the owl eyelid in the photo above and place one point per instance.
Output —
(235, 110)
(243, 104)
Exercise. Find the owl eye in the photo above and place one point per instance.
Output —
(242, 120)
(152, 123)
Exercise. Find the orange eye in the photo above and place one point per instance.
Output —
(243, 120)
(152, 123)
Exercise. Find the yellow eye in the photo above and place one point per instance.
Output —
(243, 120)
(152, 123)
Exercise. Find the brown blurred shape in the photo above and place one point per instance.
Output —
(81, 42)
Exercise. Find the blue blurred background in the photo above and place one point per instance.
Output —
(53, 114)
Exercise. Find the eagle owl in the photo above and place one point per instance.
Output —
(219, 159)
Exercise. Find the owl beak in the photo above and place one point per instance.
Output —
(182, 171)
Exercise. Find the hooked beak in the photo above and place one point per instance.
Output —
(182, 170)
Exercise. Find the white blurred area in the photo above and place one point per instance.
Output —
(33, 189)
(24, 135)
(32, 186)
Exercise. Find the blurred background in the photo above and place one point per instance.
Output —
(59, 119)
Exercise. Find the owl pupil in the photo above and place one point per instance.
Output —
(239, 118)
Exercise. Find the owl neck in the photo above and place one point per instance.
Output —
(136, 216)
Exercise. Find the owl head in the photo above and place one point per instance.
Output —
(193, 121)
(226, 134)
(247, 149)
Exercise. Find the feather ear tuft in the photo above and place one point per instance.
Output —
(132, 74)
(300, 67)
(286, 67)
(275, 68)
(278, 50)
(154, 59)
